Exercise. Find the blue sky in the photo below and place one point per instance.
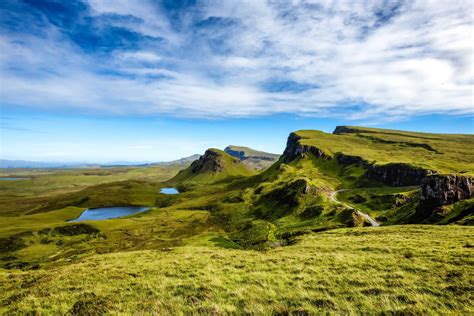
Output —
(142, 80)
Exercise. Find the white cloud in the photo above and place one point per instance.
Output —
(419, 61)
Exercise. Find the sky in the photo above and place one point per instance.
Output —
(144, 80)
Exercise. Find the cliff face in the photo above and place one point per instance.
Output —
(346, 160)
(397, 174)
(446, 189)
(295, 150)
(435, 189)
(344, 130)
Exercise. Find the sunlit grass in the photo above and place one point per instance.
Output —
(398, 269)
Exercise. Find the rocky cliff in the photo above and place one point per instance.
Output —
(397, 174)
(344, 130)
(295, 150)
(446, 189)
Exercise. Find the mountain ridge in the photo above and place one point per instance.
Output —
(251, 157)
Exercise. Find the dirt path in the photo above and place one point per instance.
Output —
(333, 198)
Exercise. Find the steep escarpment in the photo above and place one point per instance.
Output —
(213, 166)
(392, 174)
(397, 174)
(295, 149)
(392, 158)
(446, 189)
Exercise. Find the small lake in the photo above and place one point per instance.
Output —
(94, 214)
(12, 179)
(169, 191)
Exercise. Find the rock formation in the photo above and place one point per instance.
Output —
(295, 150)
(446, 189)
(211, 161)
(397, 174)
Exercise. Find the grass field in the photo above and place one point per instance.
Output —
(401, 270)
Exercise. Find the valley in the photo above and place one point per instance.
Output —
(359, 220)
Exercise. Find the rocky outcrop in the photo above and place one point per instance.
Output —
(295, 150)
(346, 160)
(345, 130)
(397, 174)
(446, 189)
(211, 161)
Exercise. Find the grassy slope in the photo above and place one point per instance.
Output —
(445, 153)
(398, 269)
(232, 168)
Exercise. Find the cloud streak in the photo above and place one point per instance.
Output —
(371, 59)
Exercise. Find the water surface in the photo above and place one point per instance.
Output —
(169, 191)
(11, 179)
(94, 214)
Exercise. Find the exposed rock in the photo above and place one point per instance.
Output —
(345, 160)
(446, 189)
(211, 161)
(295, 150)
(397, 174)
(345, 130)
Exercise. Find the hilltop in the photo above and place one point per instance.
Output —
(213, 166)
(251, 157)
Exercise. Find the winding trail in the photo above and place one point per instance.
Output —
(333, 198)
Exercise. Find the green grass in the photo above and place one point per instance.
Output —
(444, 153)
(45, 184)
(391, 270)
(228, 168)
(238, 241)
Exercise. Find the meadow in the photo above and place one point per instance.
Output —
(395, 270)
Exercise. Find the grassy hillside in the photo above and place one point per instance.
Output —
(389, 270)
(444, 153)
(215, 165)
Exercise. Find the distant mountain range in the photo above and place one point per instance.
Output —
(253, 158)
(4, 163)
